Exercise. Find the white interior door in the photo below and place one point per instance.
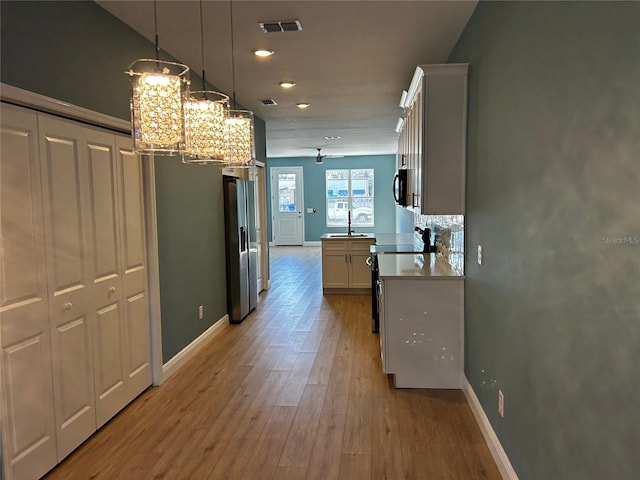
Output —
(287, 205)
(27, 385)
(68, 249)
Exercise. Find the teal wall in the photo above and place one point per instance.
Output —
(76, 52)
(553, 188)
(315, 224)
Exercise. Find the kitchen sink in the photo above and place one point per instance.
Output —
(346, 235)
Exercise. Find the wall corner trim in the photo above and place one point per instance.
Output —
(498, 453)
(173, 365)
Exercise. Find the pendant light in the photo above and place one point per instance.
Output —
(240, 139)
(205, 115)
(240, 124)
(159, 92)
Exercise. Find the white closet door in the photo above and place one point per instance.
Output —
(27, 392)
(68, 248)
(134, 269)
(110, 376)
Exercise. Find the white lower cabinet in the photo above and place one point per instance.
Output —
(344, 268)
(74, 326)
(421, 332)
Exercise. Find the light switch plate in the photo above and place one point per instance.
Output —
(200, 312)
(479, 254)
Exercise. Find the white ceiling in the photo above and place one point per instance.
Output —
(351, 61)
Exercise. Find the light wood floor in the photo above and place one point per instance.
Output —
(296, 391)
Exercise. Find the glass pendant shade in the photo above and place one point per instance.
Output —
(160, 91)
(240, 141)
(205, 116)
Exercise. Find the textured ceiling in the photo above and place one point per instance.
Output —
(351, 61)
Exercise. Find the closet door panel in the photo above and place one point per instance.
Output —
(134, 268)
(104, 206)
(67, 214)
(133, 203)
(139, 365)
(108, 335)
(27, 392)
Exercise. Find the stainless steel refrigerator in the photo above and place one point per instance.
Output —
(241, 246)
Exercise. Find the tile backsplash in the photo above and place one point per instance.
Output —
(448, 228)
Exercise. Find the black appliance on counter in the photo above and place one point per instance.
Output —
(372, 261)
(241, 246)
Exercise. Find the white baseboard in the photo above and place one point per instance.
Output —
(498, 453)
(173, 365)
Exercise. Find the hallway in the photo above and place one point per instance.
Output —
(296, 391)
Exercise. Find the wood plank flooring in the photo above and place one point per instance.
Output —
(294, 392)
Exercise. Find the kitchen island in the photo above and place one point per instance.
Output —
(421, 305)
(344, 267)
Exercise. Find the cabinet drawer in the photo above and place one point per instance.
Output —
(335, 245)
(361, 245)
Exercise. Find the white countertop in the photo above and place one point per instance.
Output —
(414, 266)
(394, 238)
(341, 236)
(381, 238)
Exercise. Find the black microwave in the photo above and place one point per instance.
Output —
(401, 187)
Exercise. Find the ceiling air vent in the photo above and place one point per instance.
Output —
(281, 26)
(268, 101)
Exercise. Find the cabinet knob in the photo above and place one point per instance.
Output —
(68, 306)
(112, 290)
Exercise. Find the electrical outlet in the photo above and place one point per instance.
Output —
(479, 254)
(501, 403)
(200, 312)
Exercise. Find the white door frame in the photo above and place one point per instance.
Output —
(262, 218)
(273, 172)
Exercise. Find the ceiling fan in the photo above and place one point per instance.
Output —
(320, 158)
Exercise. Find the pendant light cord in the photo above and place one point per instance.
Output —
(233, 65)
(204, 87)
(155, 26)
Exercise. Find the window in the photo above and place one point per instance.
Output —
(350, 191)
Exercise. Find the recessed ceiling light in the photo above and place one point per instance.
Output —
(263, 53)
(287, 84)
(332, 137)
(303, 105)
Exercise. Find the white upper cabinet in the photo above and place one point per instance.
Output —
(432, 143)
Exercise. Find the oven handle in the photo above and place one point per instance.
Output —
(368, 262)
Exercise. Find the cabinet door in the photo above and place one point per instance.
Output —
(134, 270)
(335, 264)
(359, 271)
(335, 270)
(68, 249)
(27, 391)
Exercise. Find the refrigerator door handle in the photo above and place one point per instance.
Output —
(243, 239)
